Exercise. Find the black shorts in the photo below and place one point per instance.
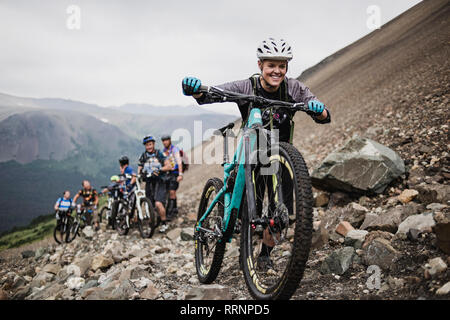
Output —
(156, 190)
(172, 183)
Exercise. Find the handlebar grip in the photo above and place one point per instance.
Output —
(203, 89)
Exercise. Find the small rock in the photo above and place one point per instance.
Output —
(187, 234)
(380, 252)
(395, 283)
(422, 222)
(27, 254)
(321, 199)
(95, 294)
(413, 234)
(436, 206)
(150, 293)
(435, 266)
(433, 193)
(42, 278)
(338, 261)
(52, 268)
(40, 252)
(343, 228)
(101, 262)
(355, 238)
(84, 264)
(407, 195)
(124, 291)
(173, 234)
(320, 237)
(445, 289)
(74, 269)
(75, 283)
(88, 233)
(3, 295)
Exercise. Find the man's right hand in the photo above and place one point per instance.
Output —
(190, 86)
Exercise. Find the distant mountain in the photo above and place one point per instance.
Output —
(136, 120)
(53, 135)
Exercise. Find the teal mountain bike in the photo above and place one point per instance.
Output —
(265, 196)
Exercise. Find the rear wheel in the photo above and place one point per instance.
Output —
(103, 213)
(280, 216)
(73, 230)
(113, 217)
(59, 233)
(148, 224)
(209, 249)
(121, 219)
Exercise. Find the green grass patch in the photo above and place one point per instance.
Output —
(38, 229)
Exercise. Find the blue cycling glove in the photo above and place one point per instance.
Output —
(315, 107)
(190, 85)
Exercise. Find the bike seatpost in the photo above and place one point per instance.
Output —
(226, 157)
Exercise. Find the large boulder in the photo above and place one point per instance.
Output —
(362, 166)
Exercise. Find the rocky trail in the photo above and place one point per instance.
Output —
(391, 87)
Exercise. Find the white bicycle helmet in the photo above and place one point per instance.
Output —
(274, 49)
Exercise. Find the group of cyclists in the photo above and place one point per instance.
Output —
(161, 170)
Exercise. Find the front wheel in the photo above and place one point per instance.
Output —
(209, 249)
(277, 226)
(103, 213)
(147, 225)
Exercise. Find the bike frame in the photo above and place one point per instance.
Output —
(232, 200)
(140, 193)
(242, 159)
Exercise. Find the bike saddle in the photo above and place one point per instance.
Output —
(222, 130)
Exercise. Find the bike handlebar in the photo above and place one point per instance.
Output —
(230, 96)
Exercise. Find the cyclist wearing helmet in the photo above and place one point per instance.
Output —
(174, 176)
(63, 205)
(90, 200)
(273, 57)
(115, 180)
(272, 83)
(154, 165)
(128, 172)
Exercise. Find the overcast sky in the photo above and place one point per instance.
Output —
(139, 51)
